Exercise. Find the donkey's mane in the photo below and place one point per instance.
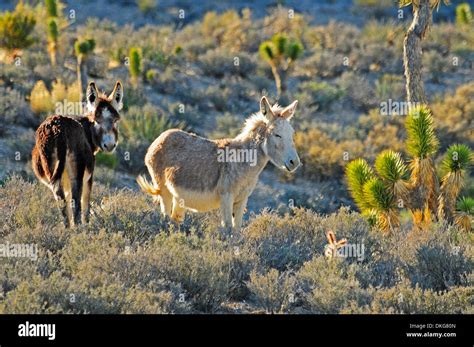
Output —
(254, 124)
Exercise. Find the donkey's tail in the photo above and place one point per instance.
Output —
(147, 187)
(45, 156)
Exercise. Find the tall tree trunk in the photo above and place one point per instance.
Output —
(81, 76)
(421, 195)
(412, 51)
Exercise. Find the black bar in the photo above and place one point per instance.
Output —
(307, 330)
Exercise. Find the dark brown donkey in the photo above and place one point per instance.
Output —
(64, 154)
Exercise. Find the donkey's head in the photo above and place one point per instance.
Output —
(278, 143)
(104, 112)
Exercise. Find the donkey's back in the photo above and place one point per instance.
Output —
(184, 160)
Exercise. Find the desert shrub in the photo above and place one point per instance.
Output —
(357, 90)
(389, 86)
(404, 299)
(229, 30)
(324, 63)
(40, 99)
(323, 157)
(454, 116)
(208, 270)
(146, 123)
(107, 159)
(320, 94)
(227, 125)
(25, 205)
(284, 242)
(329, 286)
(220, 62)
(273, 291)
(439, 267)
(14, 109)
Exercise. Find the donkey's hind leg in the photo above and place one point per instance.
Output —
(166, 202)
(178, 210)
(59, 196)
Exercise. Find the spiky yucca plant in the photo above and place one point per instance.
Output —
(281, 52)
(463, 14)
(379, 198)
(358, 172)
(16, 30)
(83, 49)
(456, 162)
(464, 215)
(422, 144)
(392, 169)
(416, 185)
(53, 35)
(135, 64)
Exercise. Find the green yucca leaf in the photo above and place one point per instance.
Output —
(390, 166)
(466, 205)
(463, 14)
(358, 172)
(84, 47)
(280, 42)
(458, 157)
(266, 50)
(371, 216)
(294, 50)
(135, 63)
(421, 138)
(53, 32)
(51, 8)
(377, 195)
(16, 28)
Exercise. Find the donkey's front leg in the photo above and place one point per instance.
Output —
(86, 196)
(76, 191)
(239, 208)
(227, 203)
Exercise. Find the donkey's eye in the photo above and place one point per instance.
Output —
(276, 135)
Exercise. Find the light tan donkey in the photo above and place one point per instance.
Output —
(197, 174)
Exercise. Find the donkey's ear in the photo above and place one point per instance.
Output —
(92, 96)
(266, 109)
(289, 111)
(116, 96)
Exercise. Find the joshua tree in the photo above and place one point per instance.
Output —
(463, 14)
(53, 35)
(52, 28)
(83, 49)
(135, 63)
(412, 60)
(394, 185)
(16, 30)
(412, 53)
(281, 53)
